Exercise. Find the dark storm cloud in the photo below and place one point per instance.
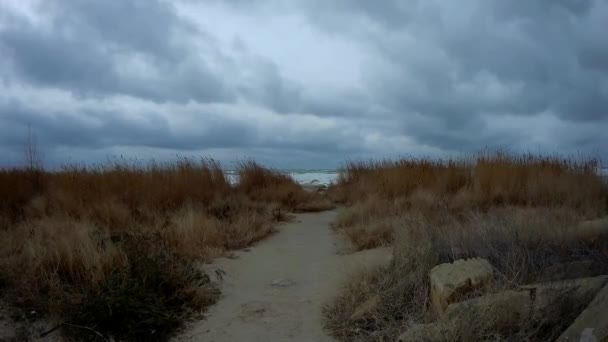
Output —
(101, 128)
(95, 47)
(435, 76)
(442, 67)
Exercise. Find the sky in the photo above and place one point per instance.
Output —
(301, 83)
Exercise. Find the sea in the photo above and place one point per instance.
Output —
(328, 176)
(302, 176)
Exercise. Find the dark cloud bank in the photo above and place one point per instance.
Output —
(138, 77)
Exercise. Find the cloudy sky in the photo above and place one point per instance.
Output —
(301, 83)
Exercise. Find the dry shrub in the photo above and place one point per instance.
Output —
(146, 301)
(268, 185)
(375, 190)
(375, 233)
(194, 234)
(402, 289)
(488, 179)
(247, 228)
(519, 212)
(114, 246)
(57, 257)
(370, 222)
(519, 242)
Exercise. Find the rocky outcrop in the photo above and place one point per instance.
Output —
(503, 309)
(451, 281)
(589, 230)
(592, 323)
(570, 270)
(550, 298)
(510, 309)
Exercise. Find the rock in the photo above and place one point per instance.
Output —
(589, 230)
(450, 281)
(592, 323)
(366, 309)
(505, 309)
(594, 228)
(550, 298)
(433, 332)
(570, 270)
(510, 309)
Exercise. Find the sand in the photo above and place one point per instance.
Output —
(276, 290)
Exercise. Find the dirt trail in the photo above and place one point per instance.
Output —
(275, 291)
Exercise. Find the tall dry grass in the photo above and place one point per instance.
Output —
(525, 245)
(113, 247)
(376, 190)
(522, 213)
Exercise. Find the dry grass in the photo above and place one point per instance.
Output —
(520, 213)
(520, 243)
(263, 184)
(377, 190)
(485, 180)
(114, 247)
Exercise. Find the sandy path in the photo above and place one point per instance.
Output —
(275, 291)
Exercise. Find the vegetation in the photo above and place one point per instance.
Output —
(519, 212)
(113, 248)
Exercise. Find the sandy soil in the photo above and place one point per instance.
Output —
(275, 291)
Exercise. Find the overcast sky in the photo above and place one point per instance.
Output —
(306, 83)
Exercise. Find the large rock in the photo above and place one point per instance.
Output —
(590, 229)
(592, 323)
(550, 298)
(505, 309)
(570, 270)
(450, 281)
(511, 309)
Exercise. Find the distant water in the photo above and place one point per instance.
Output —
(326, 176)
(302, 176)
(323, 176)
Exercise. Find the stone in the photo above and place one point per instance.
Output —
(511, 308)
(452, 280)
(592, 323)
(589, 230)
(551, 297)
(506, 309)
(366, 309)
(570, 270)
